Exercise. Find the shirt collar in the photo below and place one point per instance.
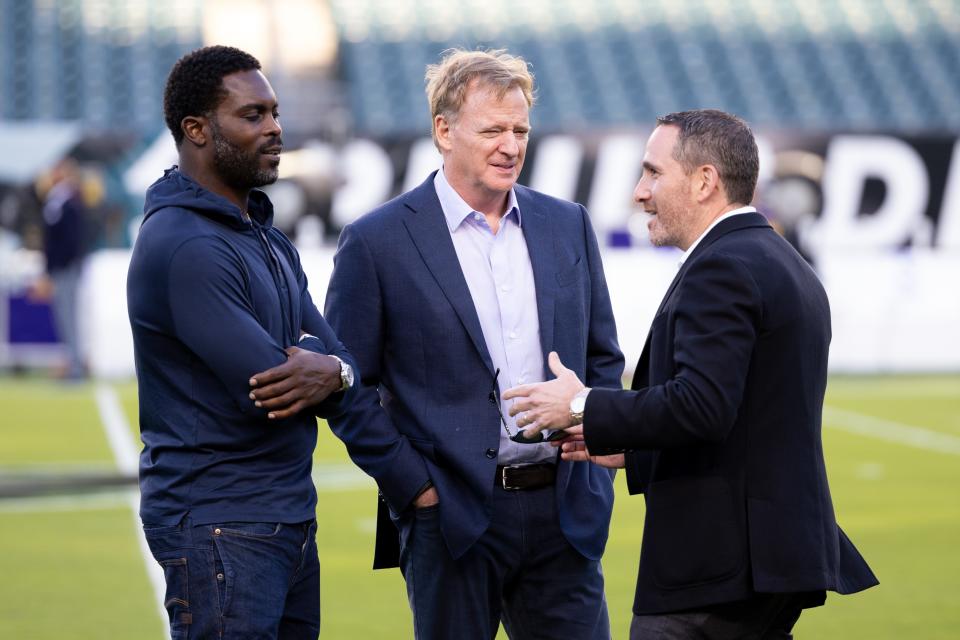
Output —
(728, 214)
(456, 209)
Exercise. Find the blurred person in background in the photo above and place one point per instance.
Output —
(446, 295)
(722, 425)
(234, 364)
(65, 245)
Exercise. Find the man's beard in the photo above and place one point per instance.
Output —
(238, 168)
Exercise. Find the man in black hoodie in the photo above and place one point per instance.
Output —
(234, 364)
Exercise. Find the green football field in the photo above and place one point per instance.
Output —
(72, 565)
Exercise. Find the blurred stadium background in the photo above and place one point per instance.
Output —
(857, 107)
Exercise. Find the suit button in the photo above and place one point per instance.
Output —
(491, 453)
(492, 398)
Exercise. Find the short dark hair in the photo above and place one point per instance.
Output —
(195, 84)
(710, 136)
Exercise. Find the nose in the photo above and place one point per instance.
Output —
(272, 125)
(641, 193)
(509, 145)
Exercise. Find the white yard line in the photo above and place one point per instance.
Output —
(125, 453)
(53, 504)
(116, 429)
(890, 431)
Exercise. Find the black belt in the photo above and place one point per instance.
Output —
(519, 477)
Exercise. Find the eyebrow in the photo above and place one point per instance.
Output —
(649, 166)
(257, 106)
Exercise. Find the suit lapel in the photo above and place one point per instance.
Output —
(735, 223)
(428, 230)
(538, 234)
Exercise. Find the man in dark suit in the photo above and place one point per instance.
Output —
(721, 429)
(446, 295)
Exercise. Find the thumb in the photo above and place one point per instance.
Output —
(555, 365)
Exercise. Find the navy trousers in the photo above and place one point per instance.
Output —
(765, 616)
(522, 571)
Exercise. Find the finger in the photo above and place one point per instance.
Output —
(273, 390)
(523, 405)
(579, 455)
(521, 391)
(571, 445)
(282, 401)
(555, 365)
(531, 430)
(575, 430)
(278, 372)
(292, 410)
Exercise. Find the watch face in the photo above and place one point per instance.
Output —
(577, 404)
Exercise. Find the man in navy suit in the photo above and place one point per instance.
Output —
(446, 295)
(721, 429)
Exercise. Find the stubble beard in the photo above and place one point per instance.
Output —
(238, 168)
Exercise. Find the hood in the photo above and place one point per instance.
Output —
(176, 189)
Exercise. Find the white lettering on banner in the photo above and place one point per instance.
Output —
(619, 162)
(557, 169)
(368, 173)
(421, 162)
(851, 160)
(948, 231)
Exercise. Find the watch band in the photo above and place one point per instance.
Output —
(346, 374)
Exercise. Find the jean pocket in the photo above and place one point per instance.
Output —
(166, 539)
(176, 600)
(258, 530)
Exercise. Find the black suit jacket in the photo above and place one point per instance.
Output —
(723, 430)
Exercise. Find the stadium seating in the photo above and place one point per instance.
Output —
(824, 65)
(790, 64)
(103, 64)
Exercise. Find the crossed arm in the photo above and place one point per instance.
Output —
(213, 317)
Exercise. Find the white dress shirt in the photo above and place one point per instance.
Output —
(499, 275)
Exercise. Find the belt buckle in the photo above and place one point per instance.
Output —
(503, 479)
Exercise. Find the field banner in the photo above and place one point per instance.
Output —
(876, 214)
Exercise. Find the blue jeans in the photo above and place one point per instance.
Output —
(522, 572)
(247, 580)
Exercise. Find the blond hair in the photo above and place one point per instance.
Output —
(448, 80)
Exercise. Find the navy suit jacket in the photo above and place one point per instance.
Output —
(399, 301)
(723, 423)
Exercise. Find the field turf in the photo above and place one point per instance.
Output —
(72, 566)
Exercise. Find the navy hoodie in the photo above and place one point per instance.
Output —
(212, 300)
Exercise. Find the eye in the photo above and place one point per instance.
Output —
(253, 117)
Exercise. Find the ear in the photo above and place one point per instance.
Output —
(706, 182)
(195, 130)
(442, 127)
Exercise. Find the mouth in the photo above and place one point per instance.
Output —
(272, 151)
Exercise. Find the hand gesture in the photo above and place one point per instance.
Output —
(545, 405)
(305, 379)
(575, 449)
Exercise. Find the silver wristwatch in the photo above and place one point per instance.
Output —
(346, 374)
(346, 371)
(577, 404)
